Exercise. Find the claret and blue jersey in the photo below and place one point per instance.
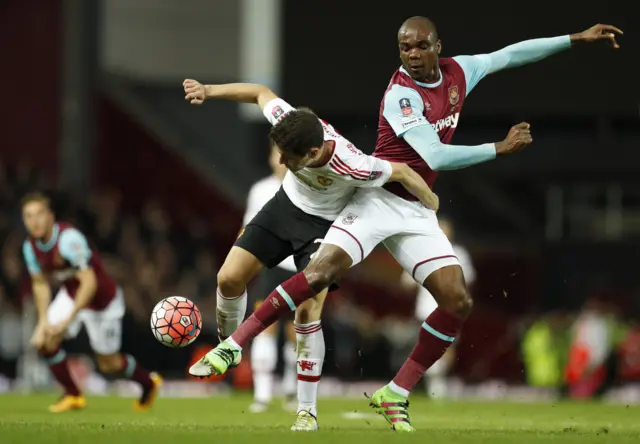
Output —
(62, 256)
(417, 120)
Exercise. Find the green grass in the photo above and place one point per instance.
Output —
(24, 419)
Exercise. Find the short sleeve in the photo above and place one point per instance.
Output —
(475, 68)
(360, 169)
(403, 109)
(30, 258)
(276, 109)
(73, 246)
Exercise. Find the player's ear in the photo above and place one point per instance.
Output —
(439, 46)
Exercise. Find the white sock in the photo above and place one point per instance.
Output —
(290, 373)
(436, 386)
(262, 387)
(395, 388)
(230, 312)
(264, 357)
(435, 379)
(310, 359)
(439, 368)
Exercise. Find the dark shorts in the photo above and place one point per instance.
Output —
(280, 230)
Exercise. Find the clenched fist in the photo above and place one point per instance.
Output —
(519, 136)
(194, 91)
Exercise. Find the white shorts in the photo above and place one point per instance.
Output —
(104, 327)
(409, 230)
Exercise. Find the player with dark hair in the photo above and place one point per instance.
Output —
(418, 116)
(88, 295)
(325, 170)
(295, 133)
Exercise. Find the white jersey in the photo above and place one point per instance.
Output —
(260, 193)
(324, 191)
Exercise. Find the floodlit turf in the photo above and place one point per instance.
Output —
(23, 419)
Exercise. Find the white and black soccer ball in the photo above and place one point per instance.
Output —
(176, 321)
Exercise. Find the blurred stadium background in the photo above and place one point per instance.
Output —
(93, 113)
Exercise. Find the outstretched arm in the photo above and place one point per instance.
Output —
(273, 107)
(476, 67)
(196, 93)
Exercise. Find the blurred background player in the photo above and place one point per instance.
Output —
(436, 376)
(58, 253)
(591, 349)
(264, 353)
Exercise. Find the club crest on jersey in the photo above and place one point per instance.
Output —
(277, 112)
(454, 98)
(405, 107)
(349, 219)
(324, 181)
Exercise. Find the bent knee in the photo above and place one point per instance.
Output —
(231, 282)
(322, 274)
(110, 363)
(458, 300)
(320, 277)
(328, 265)
(463, 303)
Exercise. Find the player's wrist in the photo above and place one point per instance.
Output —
(208, 91)
(576, 38)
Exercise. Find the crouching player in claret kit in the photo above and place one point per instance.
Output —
(55, 251)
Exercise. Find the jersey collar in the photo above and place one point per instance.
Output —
(424, 85)
(47, 246)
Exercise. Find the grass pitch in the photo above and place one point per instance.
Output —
(24, 419)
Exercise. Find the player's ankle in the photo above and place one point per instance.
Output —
(396, 391)
(307, 407)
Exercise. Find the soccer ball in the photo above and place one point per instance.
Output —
(176, 321)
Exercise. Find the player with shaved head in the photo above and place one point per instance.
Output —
(419, 114)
